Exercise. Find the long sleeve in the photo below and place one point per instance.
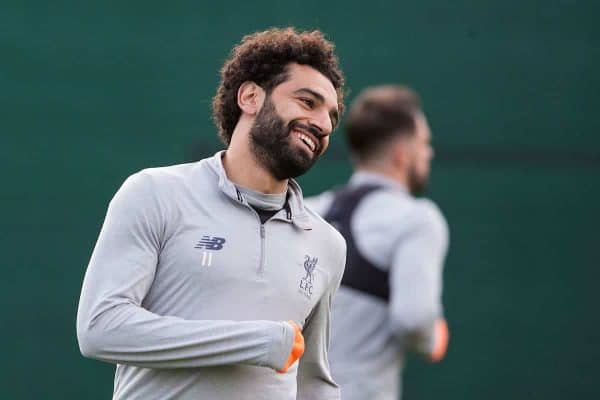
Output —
(416, 279)
(314, 377)
(112, 324)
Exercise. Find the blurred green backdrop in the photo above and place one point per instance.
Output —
(90, 93)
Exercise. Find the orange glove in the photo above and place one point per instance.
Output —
(297, 348)
(441, 338)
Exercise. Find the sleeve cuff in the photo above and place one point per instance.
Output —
(280, 345)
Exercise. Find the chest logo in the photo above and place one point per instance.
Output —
(306, 283)
(209, 243)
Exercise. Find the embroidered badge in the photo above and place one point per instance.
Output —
(306, 283)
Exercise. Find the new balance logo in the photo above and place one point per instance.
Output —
(210, 243)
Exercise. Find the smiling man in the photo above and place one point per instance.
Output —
(212, 280)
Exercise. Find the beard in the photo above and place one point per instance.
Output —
(271, 144)
(417, 183)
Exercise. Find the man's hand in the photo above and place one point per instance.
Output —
(297, 347)
(441, 338)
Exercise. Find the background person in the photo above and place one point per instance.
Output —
(390, 298)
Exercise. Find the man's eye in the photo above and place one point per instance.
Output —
(308, 102)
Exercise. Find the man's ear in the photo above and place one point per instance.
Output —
(250, 97)
(400, 149)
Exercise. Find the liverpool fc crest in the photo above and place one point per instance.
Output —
(306, 283)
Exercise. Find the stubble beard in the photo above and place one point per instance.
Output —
(417, 183)
(271, 144)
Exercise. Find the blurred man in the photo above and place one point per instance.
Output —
(199, 266)
(390, 298)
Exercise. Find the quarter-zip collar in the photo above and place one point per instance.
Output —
(294, 207)
(267, 202)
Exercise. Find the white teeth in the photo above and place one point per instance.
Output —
(308, 141)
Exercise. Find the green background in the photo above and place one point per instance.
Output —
(92, 93)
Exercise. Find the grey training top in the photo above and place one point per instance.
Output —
(407, 237)
(187, 291)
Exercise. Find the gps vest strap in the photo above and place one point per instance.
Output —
(360, 274)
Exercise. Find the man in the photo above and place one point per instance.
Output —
(390, 297)
(199, 266)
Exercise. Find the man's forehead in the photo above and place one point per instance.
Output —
(306, 77)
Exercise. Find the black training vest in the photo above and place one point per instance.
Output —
(360, 274)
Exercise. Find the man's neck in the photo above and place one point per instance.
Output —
(242, 168)
(388, 172)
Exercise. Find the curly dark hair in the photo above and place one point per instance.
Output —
(263, 57)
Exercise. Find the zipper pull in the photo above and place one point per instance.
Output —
(262, 231)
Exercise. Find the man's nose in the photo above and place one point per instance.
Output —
(316, 129)
(323, 122)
